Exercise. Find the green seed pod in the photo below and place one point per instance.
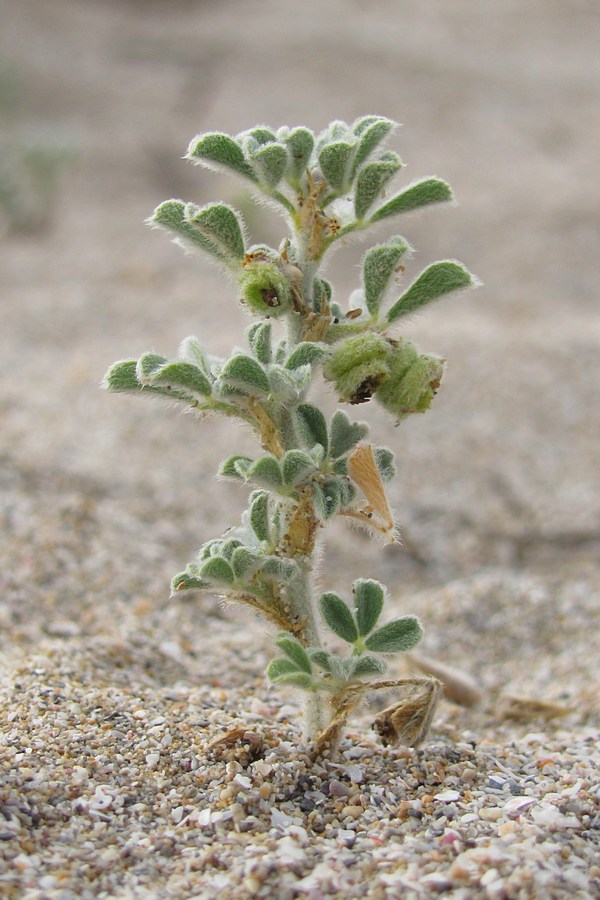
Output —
(265, 290)
(358, 366)
(413, 382)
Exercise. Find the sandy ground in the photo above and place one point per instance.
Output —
(104, 498)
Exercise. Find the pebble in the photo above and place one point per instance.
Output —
(123, 786)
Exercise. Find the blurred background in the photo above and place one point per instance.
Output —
(104, 498)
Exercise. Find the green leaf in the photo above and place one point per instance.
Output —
(320, 657)
(259, 339)
(300, 143)
(294, 679)
(420, 193)
(182, 376)
(338, 616)
(257, 137)
(228, 548)
(220, 225)
(266, 472)
(345, 434)
(259, 514)
(398, 635)
(270, 162)
(279, 568)
(436, 280)
(372, 179)
(191, 351)
(246, 374)
(361, 124)
(183, 581)
(245, 563)
(217, 571)
(312, 425)
(283, 386)
(379, 266)
(335, 160)
(305, 354)
(280, 668)
(327, 498)
(372, 131)
(296, 465)
(322, 293)
(335, 131)
(228, 468)
(122, 377)
(175, 215)
(347, 491)
(294, 651)
(329, 663)
(147, 365)
(215, 149)
(359, 666)
(369, 597)
(385, 463)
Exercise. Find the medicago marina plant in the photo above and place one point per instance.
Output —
(309, 468)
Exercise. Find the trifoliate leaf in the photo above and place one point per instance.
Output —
(371, 180)
(305, 354)
(359, 666)
(335, 160)
(421, 193)
(345, 434)
(266, 472)
(283, 386)
(177, 216)
(217, 571)
(294, 651)
(183, 581)
(385, 463)
(270, 162)
(397, 636)
(228, 468)
(228, 548)
(259, 339)
(338, 616)
(216, 150)
(436, 280)
(259, 514)
(219, 224)
(372, 131)
(246, 374)
(300, 142)
(181, 376)
(294, 679)
(257, 137)
(320, 657)
(191, 351)
(312, 425)
(279, 668)
(369, 597)
(245, 563)
(327, 498)
(379, 266)
(279, 568)
(296, 465)
(147, 365)
(122, 377)
(335, 131)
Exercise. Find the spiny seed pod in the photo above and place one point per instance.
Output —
(265, 290)
(358, 367)
(413, 381)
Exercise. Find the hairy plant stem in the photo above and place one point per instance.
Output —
(301, 598)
